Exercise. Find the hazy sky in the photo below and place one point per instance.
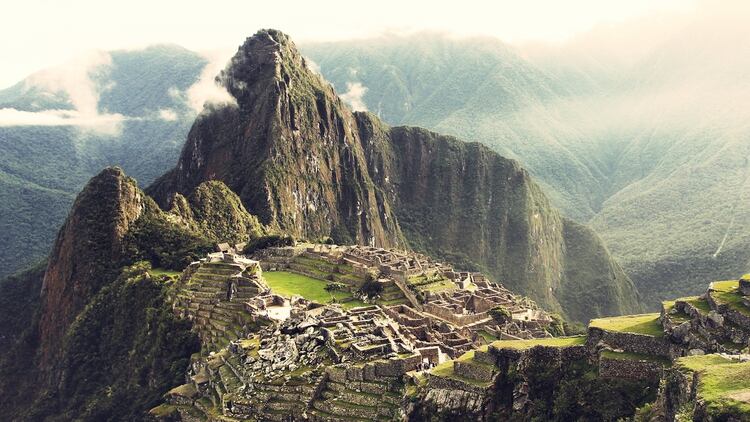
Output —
(41, 33)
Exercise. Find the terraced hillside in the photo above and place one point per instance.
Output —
(685, 362)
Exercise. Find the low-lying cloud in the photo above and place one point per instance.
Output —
(74, 79)
(354, 96)
(207, 90)
(106, 124)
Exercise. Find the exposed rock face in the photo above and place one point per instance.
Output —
(303, 163)
(466, 203)
(82, 259)
(289, 149)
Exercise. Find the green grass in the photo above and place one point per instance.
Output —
(445, 370)
(288, 284)
(609, 354)
(636, 324)
(720, 382)
(700, 304)
(679, 317)
(547, 342)
(489, 338)
(727, 293)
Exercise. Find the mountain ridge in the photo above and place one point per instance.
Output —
(368, 183)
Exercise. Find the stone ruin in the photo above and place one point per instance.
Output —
(271, 358)
(470, 309)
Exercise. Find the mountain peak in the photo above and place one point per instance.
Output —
(87, 245)
(268, 58)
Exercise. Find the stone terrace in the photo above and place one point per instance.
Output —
(214, 296)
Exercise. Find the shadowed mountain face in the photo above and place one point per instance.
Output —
(304, 163)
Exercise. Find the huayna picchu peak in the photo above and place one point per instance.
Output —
(306, 165)
(303, 261)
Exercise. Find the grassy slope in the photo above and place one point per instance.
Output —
(636, 324)
(723, 383)
(288, 284)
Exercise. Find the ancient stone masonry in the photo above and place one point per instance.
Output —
(215, 295)
(266, 357)
(431, 289)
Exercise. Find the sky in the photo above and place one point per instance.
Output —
(37, 34)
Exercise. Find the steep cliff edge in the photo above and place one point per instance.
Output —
(305, 164)
(82, 259)
(467, 204)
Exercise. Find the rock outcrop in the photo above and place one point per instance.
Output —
(289, 148)
(307, 165)
(82, 258)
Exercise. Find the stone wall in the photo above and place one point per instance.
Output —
(474, 370)
(629, 369)
(633, 343)
(448, 315)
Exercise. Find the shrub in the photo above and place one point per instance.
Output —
(336, 287)
(501, 314)
(270, 241)
(371, 288)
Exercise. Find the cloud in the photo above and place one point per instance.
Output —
(207, 90)
(167, 114)
(354, 96)
(73, 78)
(108, 124)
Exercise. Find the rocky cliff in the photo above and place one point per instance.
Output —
(82, 259)
(305, 164)
(289, 148)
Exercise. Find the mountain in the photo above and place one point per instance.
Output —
(60, 126)
(647, 145)
(95, 335)
(84, 300)
(479, 89)
(306, 165)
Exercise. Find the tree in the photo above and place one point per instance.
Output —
(501, 314)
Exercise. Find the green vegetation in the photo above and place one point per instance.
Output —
(272, 240)
(43, 167)
(288, 284)
(660, 194)
(547, 342)
(722, 383)
(489, 338)
(167, 245)
(636, 324)
(163, 272)
(609, 354)
(218, 213)
(500, 314)
(371, 288)
(727, 293)
(699, 303)
(445, 370)
(142, 350)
